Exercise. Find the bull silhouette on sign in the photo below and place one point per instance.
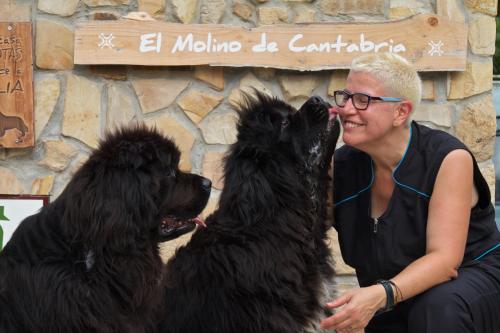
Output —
(12, 122)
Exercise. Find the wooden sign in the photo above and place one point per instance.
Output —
(16, 85)
(14, 209)
(431, 42)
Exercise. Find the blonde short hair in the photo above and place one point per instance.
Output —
(395, 72)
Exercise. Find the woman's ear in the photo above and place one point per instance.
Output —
(402, 112)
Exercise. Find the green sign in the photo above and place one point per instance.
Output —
(2, 218)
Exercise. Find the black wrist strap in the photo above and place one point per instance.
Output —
(389, 293)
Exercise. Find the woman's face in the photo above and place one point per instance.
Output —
(363, 127)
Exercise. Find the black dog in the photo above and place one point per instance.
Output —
(262, 263)
(89, 262)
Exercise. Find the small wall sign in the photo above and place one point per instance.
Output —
(431, 42)
(14, 209)
(16, 85)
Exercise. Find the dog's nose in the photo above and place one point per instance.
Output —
(206, 183)
(316, 100)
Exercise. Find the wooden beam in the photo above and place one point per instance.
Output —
(431, 42)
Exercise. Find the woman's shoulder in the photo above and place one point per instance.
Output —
(435, 141)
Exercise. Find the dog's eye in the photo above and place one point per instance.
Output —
(285, 123)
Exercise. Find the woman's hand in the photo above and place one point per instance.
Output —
(358, 307)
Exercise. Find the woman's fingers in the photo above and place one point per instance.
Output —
(336, 320)
(344, 299)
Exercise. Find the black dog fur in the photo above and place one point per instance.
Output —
(89, 262)
(262, 263)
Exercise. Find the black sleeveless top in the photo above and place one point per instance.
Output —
(381, 248)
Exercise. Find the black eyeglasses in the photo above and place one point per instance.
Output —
(359, 100)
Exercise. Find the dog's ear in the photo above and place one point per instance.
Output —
(105, 205)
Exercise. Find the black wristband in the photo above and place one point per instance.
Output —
(389, 293)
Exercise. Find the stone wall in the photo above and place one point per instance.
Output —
(75, 105)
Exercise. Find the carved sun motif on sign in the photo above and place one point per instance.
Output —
(436, 48)
(105, 41)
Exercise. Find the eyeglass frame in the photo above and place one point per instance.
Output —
(370, 98)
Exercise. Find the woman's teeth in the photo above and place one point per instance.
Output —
(349, 124)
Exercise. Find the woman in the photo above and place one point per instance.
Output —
(413, 214)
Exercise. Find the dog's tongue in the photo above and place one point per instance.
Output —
(333, 112)
(199, 222)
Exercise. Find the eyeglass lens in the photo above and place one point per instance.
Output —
(360, 101)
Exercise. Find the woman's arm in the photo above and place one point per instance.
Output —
(447, 227)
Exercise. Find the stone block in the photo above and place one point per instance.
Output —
(100, 15)
(42, 185)
(298, 85)
(96, 3)
(213, 76)
(58, 155)
(110, 72)
(488, 7)
(185, 10)
(369, 7)
(428, 89)
(219, 129)
(476, 127)
(337, 81)
(304, 14)
(451, 9)
(9, 183)
(155, 94)
(488, 171)
(272, 15)
(82, 110)
(184, 139)
(247, 85)
(58, 7)
(197, 104)
(47, 91)
(477, 78)
(53, 45)
(155, 8)
(482, 35)
(400, 12)
(121, 106)
(437, 114)
(243, 10)
(15, 12)
(213, 168)
(212, 11)
(264, 73)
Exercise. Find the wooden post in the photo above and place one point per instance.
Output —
(16, 85)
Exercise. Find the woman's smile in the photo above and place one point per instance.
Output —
(351, 124)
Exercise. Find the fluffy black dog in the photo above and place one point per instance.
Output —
(89, 262)
(262, 263)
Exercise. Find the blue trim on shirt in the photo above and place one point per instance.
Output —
(393, 177)
(357, 194)
(397, 166)
(488, 251)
